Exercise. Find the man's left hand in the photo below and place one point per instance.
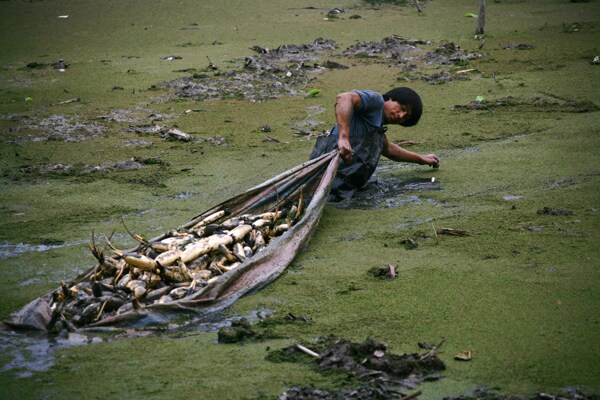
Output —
(432, 160)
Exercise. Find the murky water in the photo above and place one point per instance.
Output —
(383, 192)
(34, 351)
(31, 352)
(8, 249)
(215, 322)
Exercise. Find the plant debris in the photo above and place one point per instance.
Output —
(555, 211)
(59, 64)
(451, 232)
(382, 374)
(521, 46)
(465, 355)
(387, 272)
(238, 331)
(288, 69)
(268, 75)
(176, 134)
(410, 243)
(567, 394)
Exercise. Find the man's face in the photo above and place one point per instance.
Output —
(395, 113)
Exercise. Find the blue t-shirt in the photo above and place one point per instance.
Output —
(366, 138)
(368, 116)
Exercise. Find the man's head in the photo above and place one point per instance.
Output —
(409, 101)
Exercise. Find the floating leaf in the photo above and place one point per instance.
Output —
(465, 355)
(378, 353)
(314, 92)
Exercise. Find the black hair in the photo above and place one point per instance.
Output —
(407, 97)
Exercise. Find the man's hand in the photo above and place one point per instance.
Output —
(345, 104)
(431, 159)
(345, 149)
(397, 153)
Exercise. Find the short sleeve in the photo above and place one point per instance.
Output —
(371, 108)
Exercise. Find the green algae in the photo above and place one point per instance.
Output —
(520, 292)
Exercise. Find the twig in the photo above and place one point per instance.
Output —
(101, 310)
(452, 232)
(75, 100)
(301, 132)
(127, 229)
(98, 254)
(437, 240)
(417, 5)
(432, 351)
(307, 351)
(211, 65)
(271, 139)
(411, 395)
(392, 271)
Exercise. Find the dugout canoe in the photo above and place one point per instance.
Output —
(310, 181)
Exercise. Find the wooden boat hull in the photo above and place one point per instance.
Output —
(312, 180)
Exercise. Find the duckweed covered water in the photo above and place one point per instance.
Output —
(516, 133)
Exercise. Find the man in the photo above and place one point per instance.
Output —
(359, 135)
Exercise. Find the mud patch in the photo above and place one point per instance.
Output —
(443, 77)
(555, 211)
(565, 394)
(244, 329)
(387, 272)
(388, 192)
(83, 169)
(450, 53)
(413, 57)
(288, 69)
(135, 115)
(59, 64)
(382, 391)
(60, 128)
(310, 122)
(394, 47)
(137, 143)
(534, 104)
(237, 332)
(268, 75)
(76, 128)
(8, 249)
(520, 46)
(166, 133)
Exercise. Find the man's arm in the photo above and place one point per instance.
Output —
(397, 153)
(345, 104)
